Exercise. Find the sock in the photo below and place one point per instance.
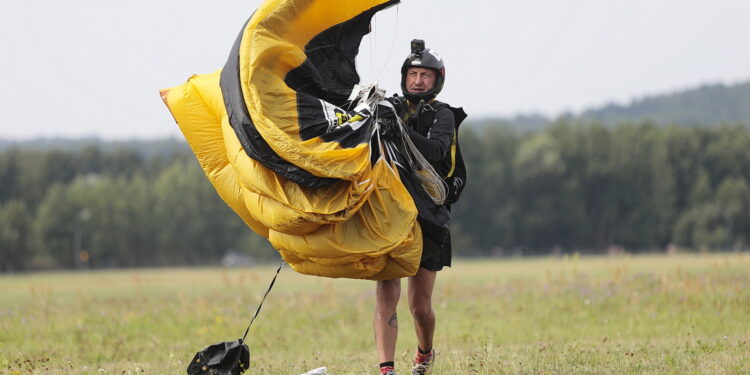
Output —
(424, 352)
(423, 355)
(385, 366)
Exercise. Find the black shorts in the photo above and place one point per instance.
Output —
(436, 250)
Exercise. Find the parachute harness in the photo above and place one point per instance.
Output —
(367, 98)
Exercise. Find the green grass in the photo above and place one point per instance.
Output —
(680, 314)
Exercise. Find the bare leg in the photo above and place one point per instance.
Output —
(385, 322)
(420, 304)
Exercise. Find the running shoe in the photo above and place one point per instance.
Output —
(423, 363)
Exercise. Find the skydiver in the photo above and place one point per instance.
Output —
(432, 127)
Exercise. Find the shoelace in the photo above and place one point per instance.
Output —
(423, 358)
(421, 363)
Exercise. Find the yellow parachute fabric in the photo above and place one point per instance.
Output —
(332, 205)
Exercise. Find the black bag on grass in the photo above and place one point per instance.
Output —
(229, 357)
(226, 358)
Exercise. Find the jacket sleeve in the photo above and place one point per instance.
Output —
(457, 181)
(438, 141)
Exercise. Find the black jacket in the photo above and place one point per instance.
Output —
(433, 127)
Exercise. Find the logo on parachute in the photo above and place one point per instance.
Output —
(337, 117)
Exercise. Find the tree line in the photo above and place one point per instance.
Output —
(122, 208)
(705, 105)
(568, 187)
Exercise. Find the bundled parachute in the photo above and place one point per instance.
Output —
(291, 144)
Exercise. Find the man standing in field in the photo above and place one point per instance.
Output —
(432, 127)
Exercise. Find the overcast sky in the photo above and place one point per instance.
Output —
(93, 68)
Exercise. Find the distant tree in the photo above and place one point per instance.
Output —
(122, 162)
(9, 175)
(538, 172)
(733, 199)
(640, 189)
(487, 153)
(54, 228)
(39, 170)
(115, 224)
(15, 222)
(725, 153)
(89, 160)
(193, 225)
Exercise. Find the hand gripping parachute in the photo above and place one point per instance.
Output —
(293, 148)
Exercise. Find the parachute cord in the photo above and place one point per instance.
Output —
(390, 51)
(432, 183)
(369, 97)
(373, 34)
(273, 281)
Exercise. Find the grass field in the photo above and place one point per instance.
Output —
(679, 314)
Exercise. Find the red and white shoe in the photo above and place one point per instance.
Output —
(423, 363)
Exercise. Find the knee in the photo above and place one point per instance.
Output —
(389, 288)
(388, 292)
(421, 310)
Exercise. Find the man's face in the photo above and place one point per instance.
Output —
(420, 80)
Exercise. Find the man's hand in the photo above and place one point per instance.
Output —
(396, 101)
(388, 123)
(455, 186)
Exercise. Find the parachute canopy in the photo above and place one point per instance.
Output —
(293, 148)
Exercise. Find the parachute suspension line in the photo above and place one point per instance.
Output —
(373, 33)
(273, 281)
(431, 181)
(367, 98)
(390, 50)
